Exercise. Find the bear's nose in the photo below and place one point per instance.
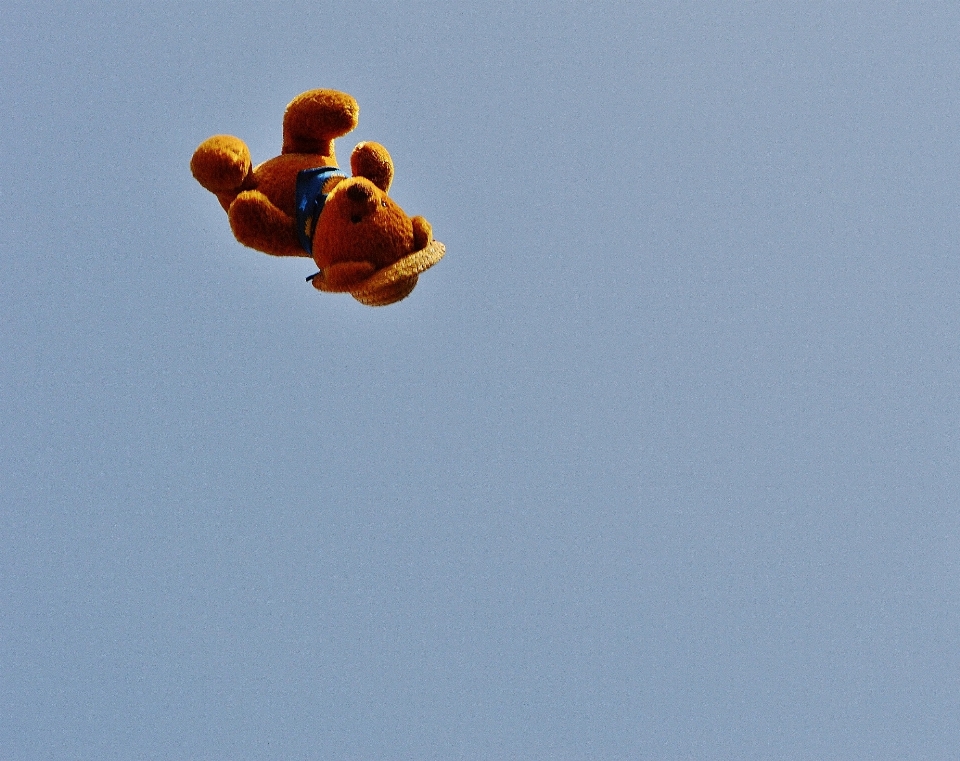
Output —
(359, 193)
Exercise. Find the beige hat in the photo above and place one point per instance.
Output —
(389, 285)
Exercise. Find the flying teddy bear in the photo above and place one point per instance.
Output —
(301, 204)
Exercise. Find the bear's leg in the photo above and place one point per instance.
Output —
(258, 224)
(372, 160)
(221, 164)
(313, 119)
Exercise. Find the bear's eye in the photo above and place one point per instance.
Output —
(383, 203)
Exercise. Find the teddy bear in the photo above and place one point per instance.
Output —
(301, 204)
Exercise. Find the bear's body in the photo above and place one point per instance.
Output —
(362, 241)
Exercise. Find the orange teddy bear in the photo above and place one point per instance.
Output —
(300, 204)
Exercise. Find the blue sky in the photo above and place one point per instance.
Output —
(661, 461)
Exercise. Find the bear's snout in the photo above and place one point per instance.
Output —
(361, 199)
(359, 193)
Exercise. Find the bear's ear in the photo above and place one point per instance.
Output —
(371, 160)
(331, 183)
(422, 233)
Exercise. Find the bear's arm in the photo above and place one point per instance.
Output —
(260, 225)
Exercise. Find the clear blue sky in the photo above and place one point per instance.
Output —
(661, 461)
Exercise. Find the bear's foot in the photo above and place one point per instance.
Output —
(222, 164)
(314, 118)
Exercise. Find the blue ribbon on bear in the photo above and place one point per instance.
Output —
(310, 201)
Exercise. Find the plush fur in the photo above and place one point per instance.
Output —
(364, 243)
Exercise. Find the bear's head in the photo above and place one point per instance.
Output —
(361, 223)
(364, 243)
